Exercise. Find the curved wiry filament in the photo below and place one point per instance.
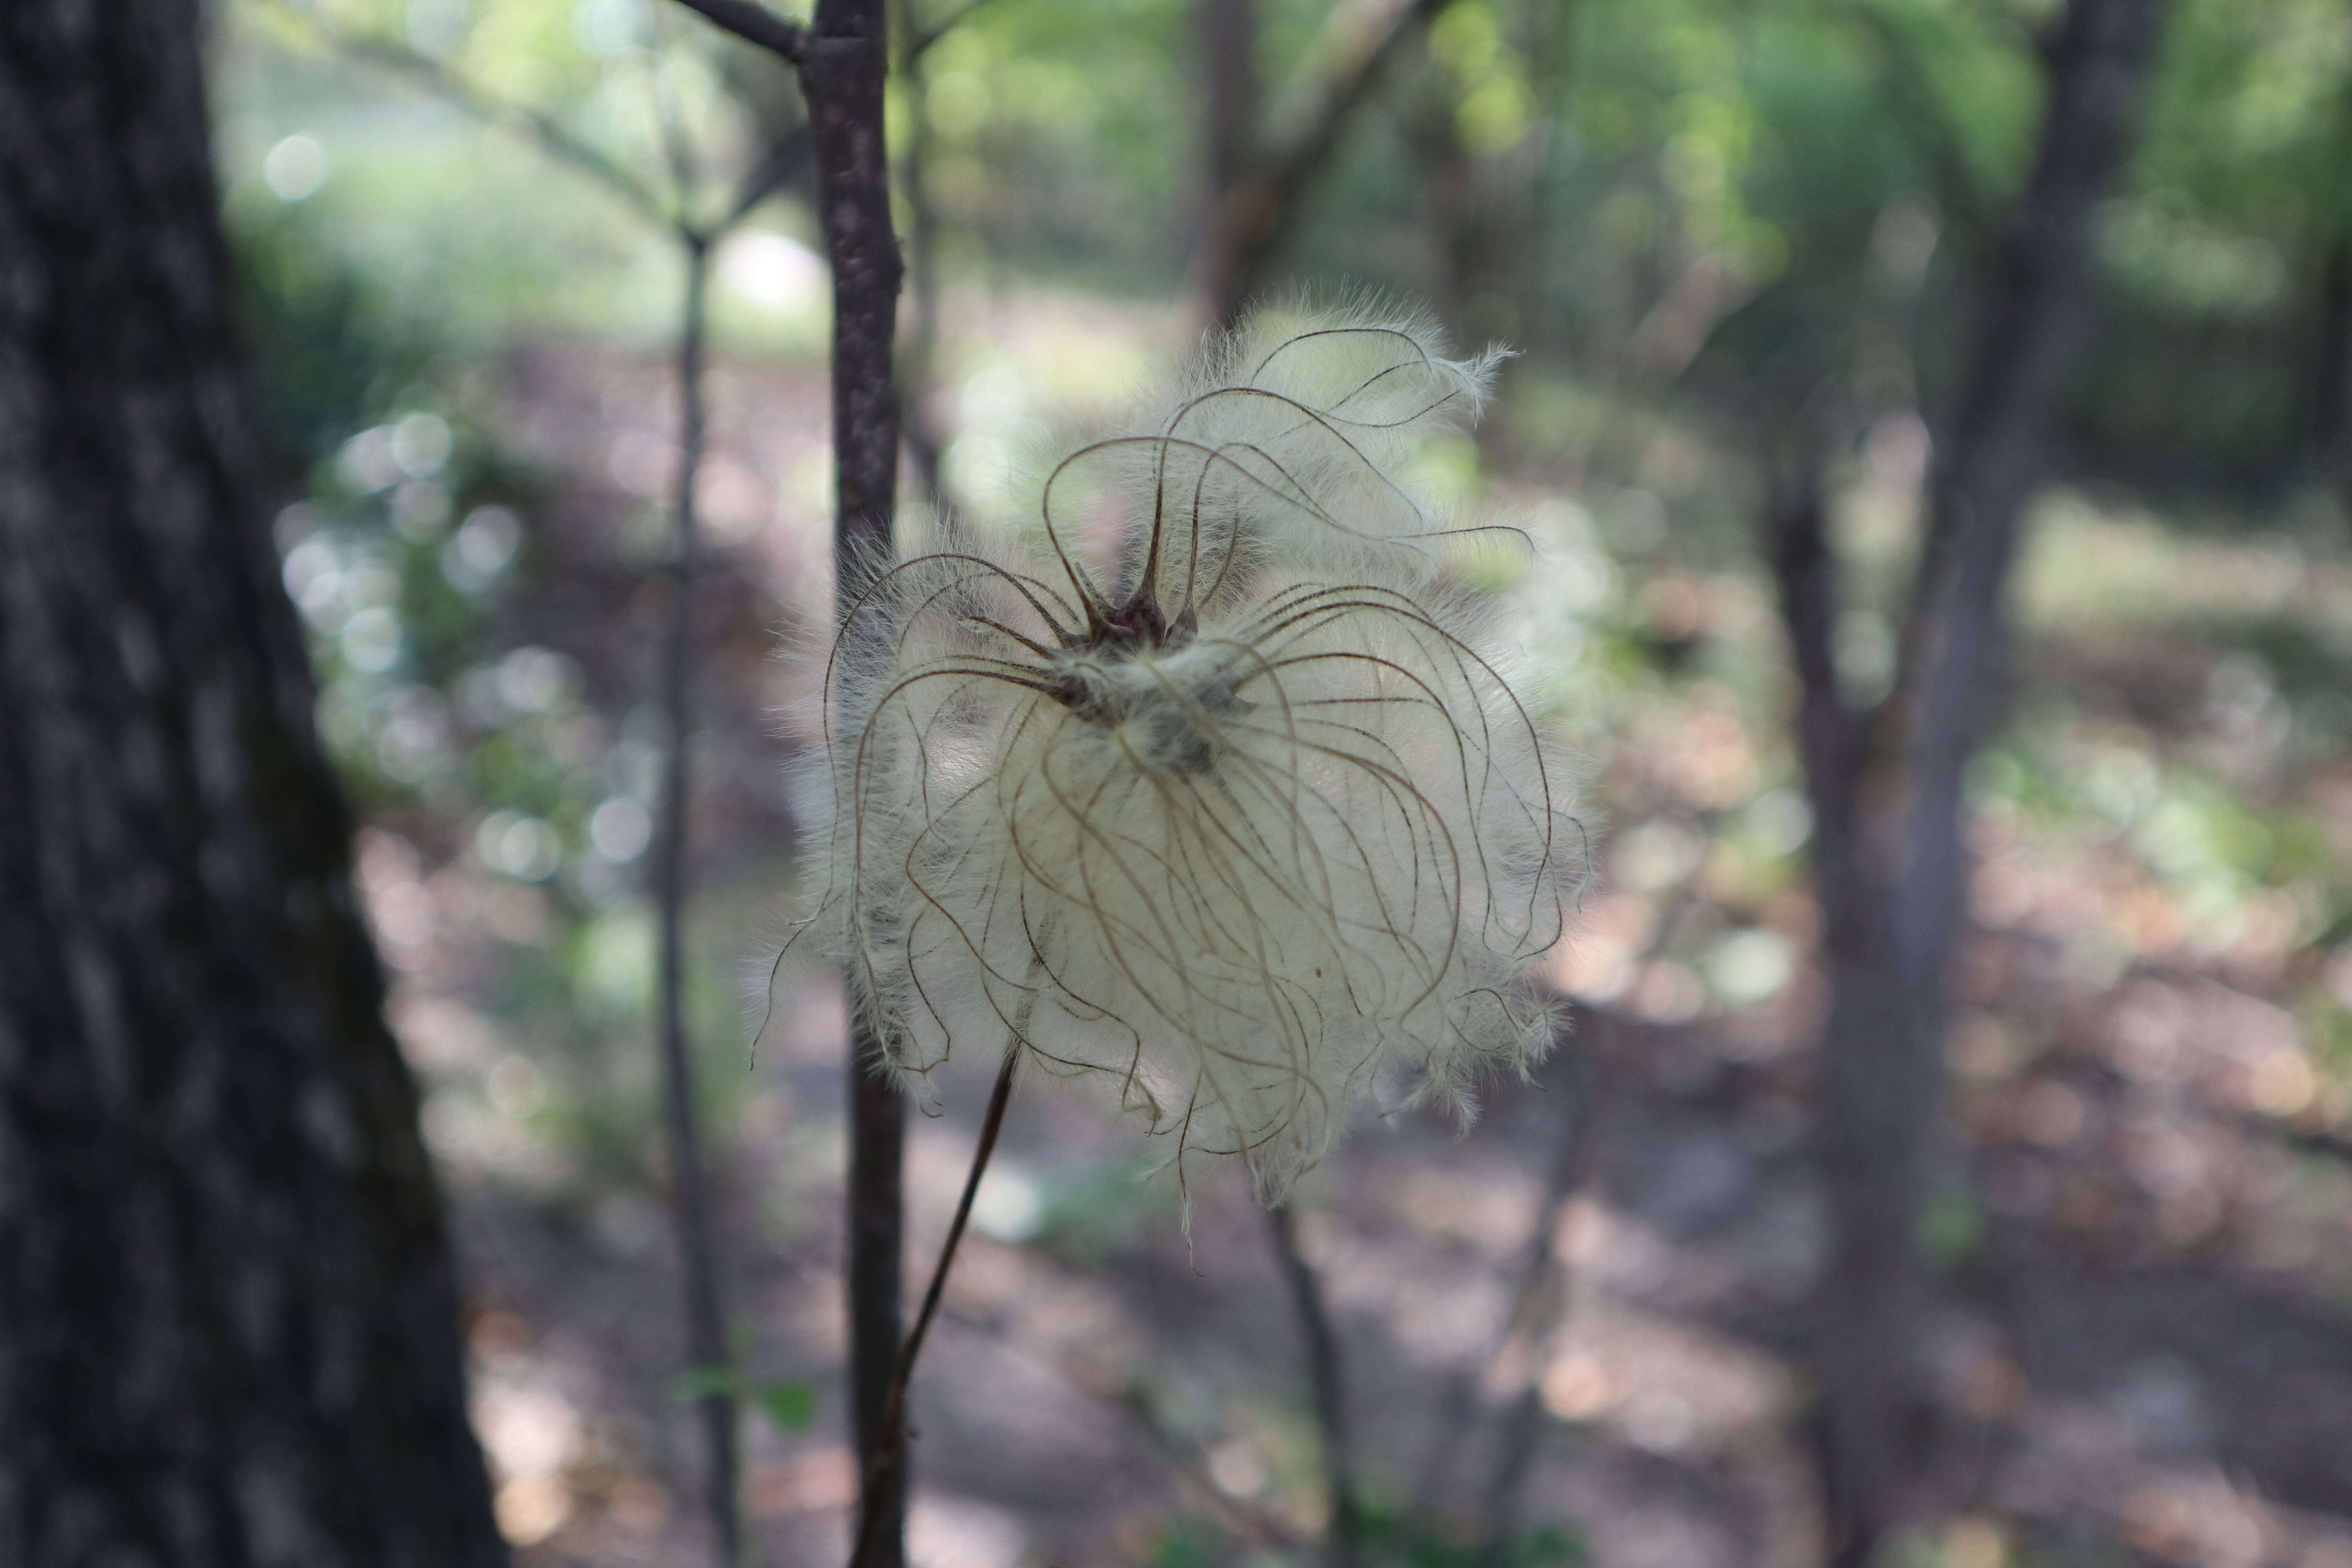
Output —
(1236, 833)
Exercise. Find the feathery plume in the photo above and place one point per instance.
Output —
(1230, 813)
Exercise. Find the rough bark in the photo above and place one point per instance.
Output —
(842, 74)
(1890, 860)
(228, 1325)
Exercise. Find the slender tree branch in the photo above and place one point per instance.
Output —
(706, 1351)
(705, 1316)
(890, 1454)
(920, 39)
(1544, 1306)
(1253, 214)
(842, 64)
(1327, 1379)
(436, 77)
(843, 79)
(755, 24)
(1539, 1315)
(1805, 569)
(2037, 313)
(1928, 125)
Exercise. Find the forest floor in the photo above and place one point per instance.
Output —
(2145, 1331)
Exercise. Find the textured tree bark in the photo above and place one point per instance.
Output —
(842, 75)
(228, 1329)
(1891, 863)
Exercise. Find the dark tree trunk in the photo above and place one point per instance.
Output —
(228, 1326)
(1890, 856)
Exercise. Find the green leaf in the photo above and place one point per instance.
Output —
(1952, 1227)
(791, 1405)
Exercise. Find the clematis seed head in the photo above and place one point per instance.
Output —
(1238, 824)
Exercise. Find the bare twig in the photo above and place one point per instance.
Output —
(1328, 1380)
(756, 24)
(706, 1351)
(841, 62)
(544, 128)
(705, 1316)
(1540, 1311)
(1257, 1523)
(888, 1460)
(1543, 1308)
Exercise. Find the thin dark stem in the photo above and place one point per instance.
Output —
(841, 60)
(1546, 1298)
(877, 1136)
(756, 24)
(842, 75)
(890, 1454)
(697, 1233)
(1327, 1379)
(705, 1319)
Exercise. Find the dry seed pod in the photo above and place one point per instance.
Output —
(1237, 834)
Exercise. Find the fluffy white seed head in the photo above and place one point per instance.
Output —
(1237, 834)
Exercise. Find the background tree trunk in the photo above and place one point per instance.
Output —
(1255, 189)
(228, 1316)
(1890, 857)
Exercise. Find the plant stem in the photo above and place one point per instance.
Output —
(841, 76)
(877, 1137)
(888, 1463)
(1546, 1297)
(1325, 1376)
(706, 1329)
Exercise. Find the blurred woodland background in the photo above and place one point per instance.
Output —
(1807, 1244)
